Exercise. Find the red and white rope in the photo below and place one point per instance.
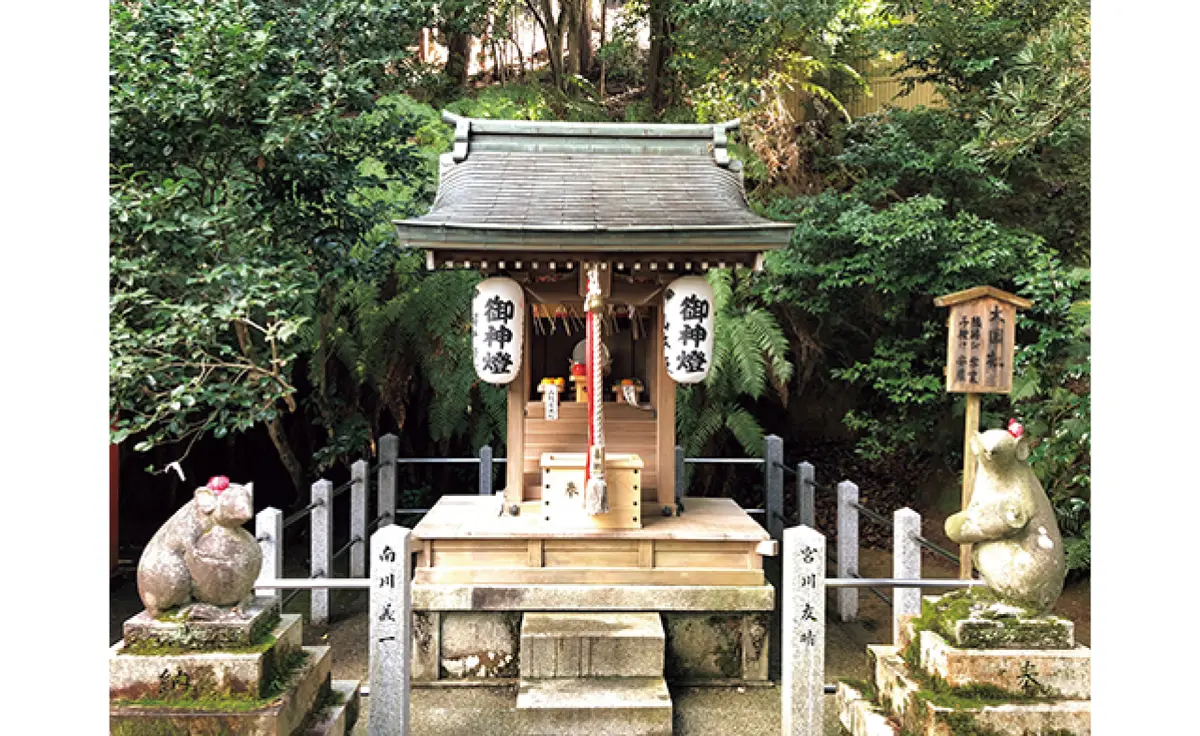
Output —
(596, 492)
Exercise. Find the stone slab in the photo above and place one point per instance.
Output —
(231, 629)
(897, 694)
(1049, 632)
(479, 645)
(201, 674)
(893, 692)
(623, 706)
(337, 718)
(426, 645)
(555, 597)
(859, 716)
(704, 646)
(1061, 673)
(282, 716)
(994, 625)
(591, 645)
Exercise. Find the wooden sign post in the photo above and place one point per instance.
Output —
(982, 326)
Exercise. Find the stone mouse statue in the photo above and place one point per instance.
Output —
(1017, 545)
(202, 553)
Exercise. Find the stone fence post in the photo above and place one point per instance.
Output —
(390, 628)
(847, 547)
(358, 519)
(806, 494)
(268, 530)
(803, 653)
(773, 480)
(321, 518)
(389, 450)
(906, 565)
(485, 470)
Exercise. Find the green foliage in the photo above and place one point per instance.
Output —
(531, 101)
(860, 275)
(749, 352)
(254, 170)
(620, 53)
(1044, 96)
(963, 45)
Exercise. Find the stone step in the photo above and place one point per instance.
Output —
(339, 715)
(613, 706)
(228, 629)
(859, 716)
(283, 715)
(900, 695)
(1060, 673)
(194, 674)
(570, 645)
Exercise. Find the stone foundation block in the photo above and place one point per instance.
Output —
(478, 645)
(716, 646)
(991, 624)
(192, 675)
(895, 691)
(859, 716)
(426, 645)
(338, 717)
(1059, 673)
(625, 706)
(229, 630)
(898, 693)
(280, 716)
(591, 645)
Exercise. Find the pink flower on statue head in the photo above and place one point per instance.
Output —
(1015, 428)
(218, 483)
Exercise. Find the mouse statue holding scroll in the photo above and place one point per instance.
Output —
(201, 557)
(1017, 546)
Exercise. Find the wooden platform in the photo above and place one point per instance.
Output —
(464, 539)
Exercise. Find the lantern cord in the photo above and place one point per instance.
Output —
(596, 490)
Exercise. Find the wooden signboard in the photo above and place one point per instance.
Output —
(979, 354)
(978, 361)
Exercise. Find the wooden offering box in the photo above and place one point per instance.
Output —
(563, 479)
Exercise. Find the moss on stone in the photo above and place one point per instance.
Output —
(262, 643)
(986, 628)
(159, 728)
(865, 688)
(965, 724)
(937, 691)
(282, 679)
(183, 637)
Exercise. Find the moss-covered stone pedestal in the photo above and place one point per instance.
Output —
(1023, 675)
(238, 673)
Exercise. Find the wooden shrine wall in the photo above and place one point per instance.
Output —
(626, 429)
(649, 433)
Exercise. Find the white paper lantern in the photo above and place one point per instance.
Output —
(498, 329)
(688, 329)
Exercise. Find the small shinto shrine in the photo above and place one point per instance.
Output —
(587, 577)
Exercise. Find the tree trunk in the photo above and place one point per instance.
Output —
(295, 469)
(570, 13)
(603, 40)
(585, 37)
(458, 49)
(660, 51)
(552, 29)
